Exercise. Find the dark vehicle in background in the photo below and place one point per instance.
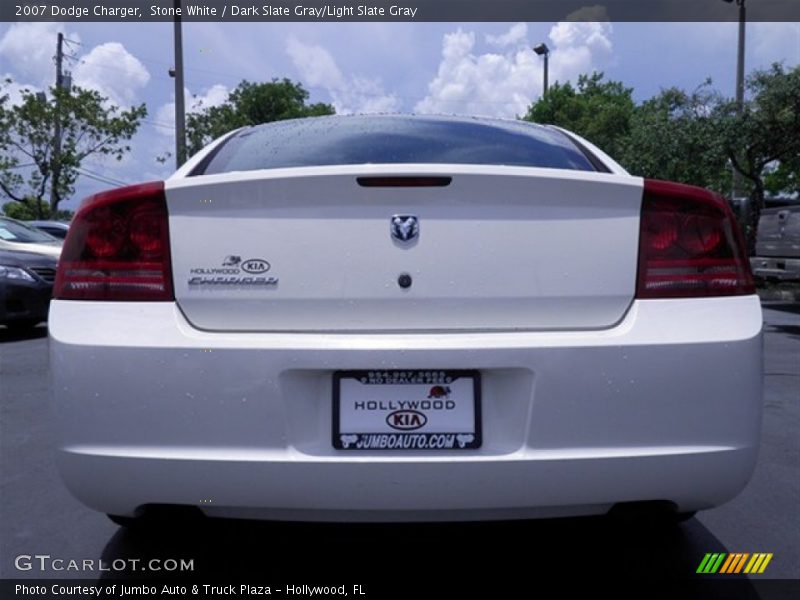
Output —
(778, 244)
(26, 286)
(58, 229)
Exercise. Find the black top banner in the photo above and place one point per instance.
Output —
(399, 10)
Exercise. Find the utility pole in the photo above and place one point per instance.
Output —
(55, 164)
(180, 115)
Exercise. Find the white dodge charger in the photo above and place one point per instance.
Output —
(405, 318)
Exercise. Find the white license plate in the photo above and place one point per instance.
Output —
(406, 410)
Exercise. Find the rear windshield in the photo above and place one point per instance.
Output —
(383, 139)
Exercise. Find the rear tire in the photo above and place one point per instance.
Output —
(649, 514)
(160, 518)
(127, 522)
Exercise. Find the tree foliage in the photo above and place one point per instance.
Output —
(784, 178)
(763, 139)
(674, 136)
(598, 110)
(29, 210)
(696, 137)
(251, 104)
(30, 167)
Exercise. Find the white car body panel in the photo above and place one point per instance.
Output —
(665, 405)
(556, 250)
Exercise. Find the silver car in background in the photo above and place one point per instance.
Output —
(778, 244)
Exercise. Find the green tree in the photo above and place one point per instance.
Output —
(675, 136)
(598, 110)
(762, 140)
(251, 104)
(784, 178)
(30, 166)
(29, 210)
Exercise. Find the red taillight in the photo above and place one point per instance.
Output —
(689, 245)
(118, 248)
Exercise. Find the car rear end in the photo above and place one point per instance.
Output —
(778, 244)
(26, 286)
(405, 341)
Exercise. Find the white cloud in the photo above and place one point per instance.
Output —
(112, 71)
(107, 68)
(14, 90)
(776, 42)
(164, 121)
(213, 96)
(315, 64)
(516, 35)
(354, 94)
(30, 48)
(504, 83)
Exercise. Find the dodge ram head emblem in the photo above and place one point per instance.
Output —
(405, 227)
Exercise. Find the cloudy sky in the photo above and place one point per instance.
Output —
(467, 68)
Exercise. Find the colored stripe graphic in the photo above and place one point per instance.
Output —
(722, 562)
(704, 564)
(741, 562)
(726, 565)
(711, 562)
(758, 563)
(734, 563)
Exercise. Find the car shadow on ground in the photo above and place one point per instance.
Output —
(790, 330)
(792, 307)
(396, 556)
(19, 335)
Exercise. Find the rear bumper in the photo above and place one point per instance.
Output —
(664, 406)
(769, 267)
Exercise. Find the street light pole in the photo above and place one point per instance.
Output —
(735, 184)
(740, 56)
(543, 50)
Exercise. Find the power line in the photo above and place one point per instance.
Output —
(158, 124)
(82, 61)
(101, 178)
(110, 178)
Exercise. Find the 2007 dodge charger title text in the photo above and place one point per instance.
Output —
(405, 318)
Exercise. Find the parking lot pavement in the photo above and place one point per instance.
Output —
(38, 516)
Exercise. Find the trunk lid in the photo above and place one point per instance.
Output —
(310, 249)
